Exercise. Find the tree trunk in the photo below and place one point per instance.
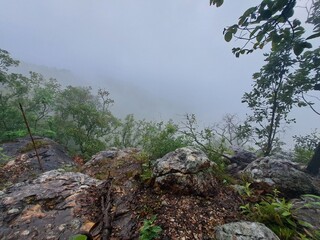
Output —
(314, 164)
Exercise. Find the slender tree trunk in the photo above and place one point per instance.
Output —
(314, 164)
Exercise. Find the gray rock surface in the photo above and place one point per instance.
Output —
(186, 170)
(240, 160)
(56, 205)
(244, 231)
(123, 166)
(284, 175)
(24, 163)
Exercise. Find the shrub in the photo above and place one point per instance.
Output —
(161, 139)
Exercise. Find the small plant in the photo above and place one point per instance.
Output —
(245, 190)
(146, 171)
(275, 213)
(149, 230)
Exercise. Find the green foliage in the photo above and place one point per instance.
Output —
(305, 146)
(216, 141)
(6, 61)
(245, 190)
(162, 138)
(78, 237)
(30, 147)
(302, 155)
(37, 97)
(277, 214)
(129, 132)
(149, 230)
(273, 95)
(3, 157)
(271, 22)
(81, 119)
(146, 173)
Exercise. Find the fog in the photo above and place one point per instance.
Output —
(158, 59)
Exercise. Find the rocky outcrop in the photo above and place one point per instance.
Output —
(122, 168)
(24, 164)
(284, 175)
(185, 171)
(244, 231)
(56, 205)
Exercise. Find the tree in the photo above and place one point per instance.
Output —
(272, 97)
(161, 138)
(234, 132)
(6, 61)
(82, 119)
(273, 22)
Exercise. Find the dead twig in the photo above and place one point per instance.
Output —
(29, 131)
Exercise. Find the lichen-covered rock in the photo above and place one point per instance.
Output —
(244, 231)
(186, 171)
(56, 205)
(284, 175)
(24, 163)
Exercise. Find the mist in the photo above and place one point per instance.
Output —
(159, 60)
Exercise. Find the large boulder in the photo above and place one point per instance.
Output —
(244, 231)
(23, 163)
(185, 171)
(284, 175)
(56, 205)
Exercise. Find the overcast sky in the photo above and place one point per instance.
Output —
(160, 59)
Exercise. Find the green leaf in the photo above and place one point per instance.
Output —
(286, 213)
(266, 14)
(228, 36)
(78, 237)
(276, 38)
(313, 36)
(260, 36)
(298, 49)
(249, 11)
(218, 3)
(305, 224)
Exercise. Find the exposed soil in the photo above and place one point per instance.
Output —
(188, 216)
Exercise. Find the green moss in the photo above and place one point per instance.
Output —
(29, 146)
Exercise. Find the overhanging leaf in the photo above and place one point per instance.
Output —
(313, 36)
(298, 49)
(228, 36)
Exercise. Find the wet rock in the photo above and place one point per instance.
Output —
(24, 164)
(53, 206)
(185, 171)
(284, 175)
(244, 231)
(240, 160)
(307, 209)
(123, 167)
